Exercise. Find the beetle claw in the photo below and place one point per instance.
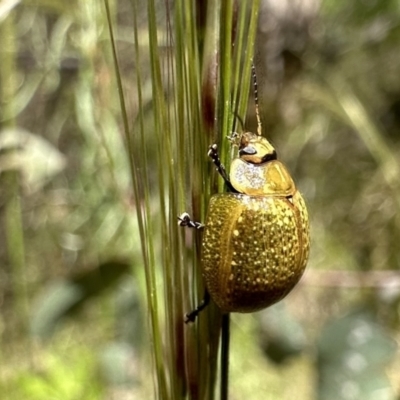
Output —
(190, 317)
(185, 220)
(233, 137)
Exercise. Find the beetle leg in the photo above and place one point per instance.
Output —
(185, 220)
(213, 154)
(190, 317)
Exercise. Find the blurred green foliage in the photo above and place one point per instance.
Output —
(330, 101)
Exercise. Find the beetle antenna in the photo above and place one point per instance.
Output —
(255, 86)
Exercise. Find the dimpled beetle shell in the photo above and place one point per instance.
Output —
(256, 242)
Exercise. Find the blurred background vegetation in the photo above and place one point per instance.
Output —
(74, 316)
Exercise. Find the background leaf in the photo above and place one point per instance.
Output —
(31, 155)
(281, 336)
(67, 296)
(353, 352)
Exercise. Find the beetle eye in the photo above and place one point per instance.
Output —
(269, 157)
(247, 151)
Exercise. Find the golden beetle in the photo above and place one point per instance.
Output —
(256, 239)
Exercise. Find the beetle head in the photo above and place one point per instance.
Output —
(253, 148)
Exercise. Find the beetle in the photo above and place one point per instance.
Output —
(256, 241)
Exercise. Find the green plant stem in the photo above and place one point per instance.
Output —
(16, 246)
(142, 196)
(13, 214)
(225, 340)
